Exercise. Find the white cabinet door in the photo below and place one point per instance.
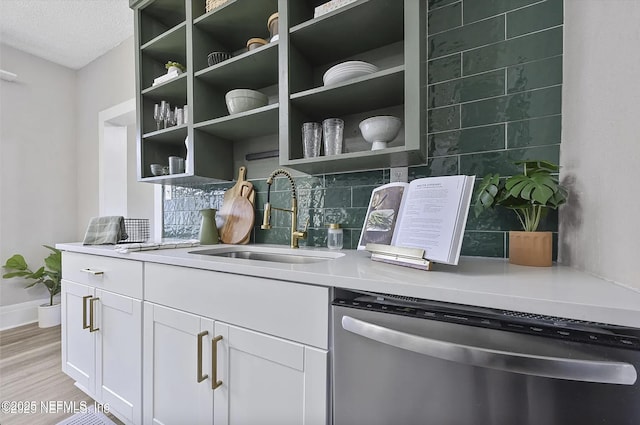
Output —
(268, 380)
(78, 344)
(119, 354)
(176, 345)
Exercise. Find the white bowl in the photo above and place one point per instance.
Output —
(380, 130)
(241, 100)
(347, 71)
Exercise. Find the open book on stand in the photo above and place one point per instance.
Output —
(414, 223)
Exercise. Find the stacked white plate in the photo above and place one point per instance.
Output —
(347, 71)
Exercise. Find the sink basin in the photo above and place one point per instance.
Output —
(274, 255)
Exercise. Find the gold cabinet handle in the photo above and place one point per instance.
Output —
(214, 362)
(201, 377)
(84, 311)
(92, 315)
(92, 272)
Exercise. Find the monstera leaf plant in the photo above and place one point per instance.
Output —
(530, 194)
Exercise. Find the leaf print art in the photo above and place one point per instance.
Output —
(380, 220)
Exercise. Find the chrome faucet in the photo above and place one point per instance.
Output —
(266, 221)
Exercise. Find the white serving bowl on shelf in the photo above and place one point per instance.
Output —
(380, 130)
(347, 71)
(241, 100)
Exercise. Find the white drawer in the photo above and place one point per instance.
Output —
(289, 310)
(111, 274)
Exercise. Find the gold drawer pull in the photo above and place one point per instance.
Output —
(214, 362)
(201, 377)
(92, 272)
(91, 315)
(84, 311)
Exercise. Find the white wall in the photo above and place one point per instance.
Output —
(38, 163)
(600, 150)
(140, 197)
(49, 146)
(105, 82)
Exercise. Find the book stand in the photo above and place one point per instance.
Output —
(407, 257)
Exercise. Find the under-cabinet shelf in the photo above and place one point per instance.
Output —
(256, 68)
(369, 92)
(351, 29)
(245, 125)
(177, 179)
(383, 158)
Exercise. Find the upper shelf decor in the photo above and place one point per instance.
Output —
(380, 130)
(346, 71)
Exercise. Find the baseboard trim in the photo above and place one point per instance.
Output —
(14, 315)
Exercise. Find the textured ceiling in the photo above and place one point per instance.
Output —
(68, 32)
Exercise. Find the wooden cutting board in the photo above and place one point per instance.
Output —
(234, 192)
(240, 217)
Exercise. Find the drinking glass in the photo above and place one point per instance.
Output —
(176, 165)
(178, 116)
(157, 115)
(165, 112)
(311, 139)
(332, 129)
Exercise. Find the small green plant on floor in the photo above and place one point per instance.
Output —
(49, 275)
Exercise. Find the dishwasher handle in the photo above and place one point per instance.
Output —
(605, 372)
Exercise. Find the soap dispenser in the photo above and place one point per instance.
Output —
(334, 236)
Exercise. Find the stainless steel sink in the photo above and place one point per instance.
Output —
(274, 255)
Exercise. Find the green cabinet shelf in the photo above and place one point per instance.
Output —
(249, 124)
(387, 33)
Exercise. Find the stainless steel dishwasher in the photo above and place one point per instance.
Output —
(410, 361)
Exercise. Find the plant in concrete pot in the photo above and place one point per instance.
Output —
(529, 195)
(48, 275)
(175, 66)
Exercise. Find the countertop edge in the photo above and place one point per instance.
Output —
(447, 283)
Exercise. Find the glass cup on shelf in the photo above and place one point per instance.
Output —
(178, 116)
(165, 112)
(176, 165)
(157, 115)
(311, 139)
(332, 129)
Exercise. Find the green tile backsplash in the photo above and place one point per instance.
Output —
(493, 96)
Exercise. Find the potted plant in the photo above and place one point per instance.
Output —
(177, 66)
(530, 195)
(49, 275)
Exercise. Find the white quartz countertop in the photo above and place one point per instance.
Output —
(555, 291)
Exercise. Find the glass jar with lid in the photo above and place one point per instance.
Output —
(334, 236)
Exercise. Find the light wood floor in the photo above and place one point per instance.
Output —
(31, 371)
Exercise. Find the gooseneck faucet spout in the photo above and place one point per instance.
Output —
(266, 220)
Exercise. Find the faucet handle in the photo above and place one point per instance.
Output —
(306, 226)
(299, 234)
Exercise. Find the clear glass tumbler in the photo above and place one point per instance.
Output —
(311, 139)
(332, 129)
